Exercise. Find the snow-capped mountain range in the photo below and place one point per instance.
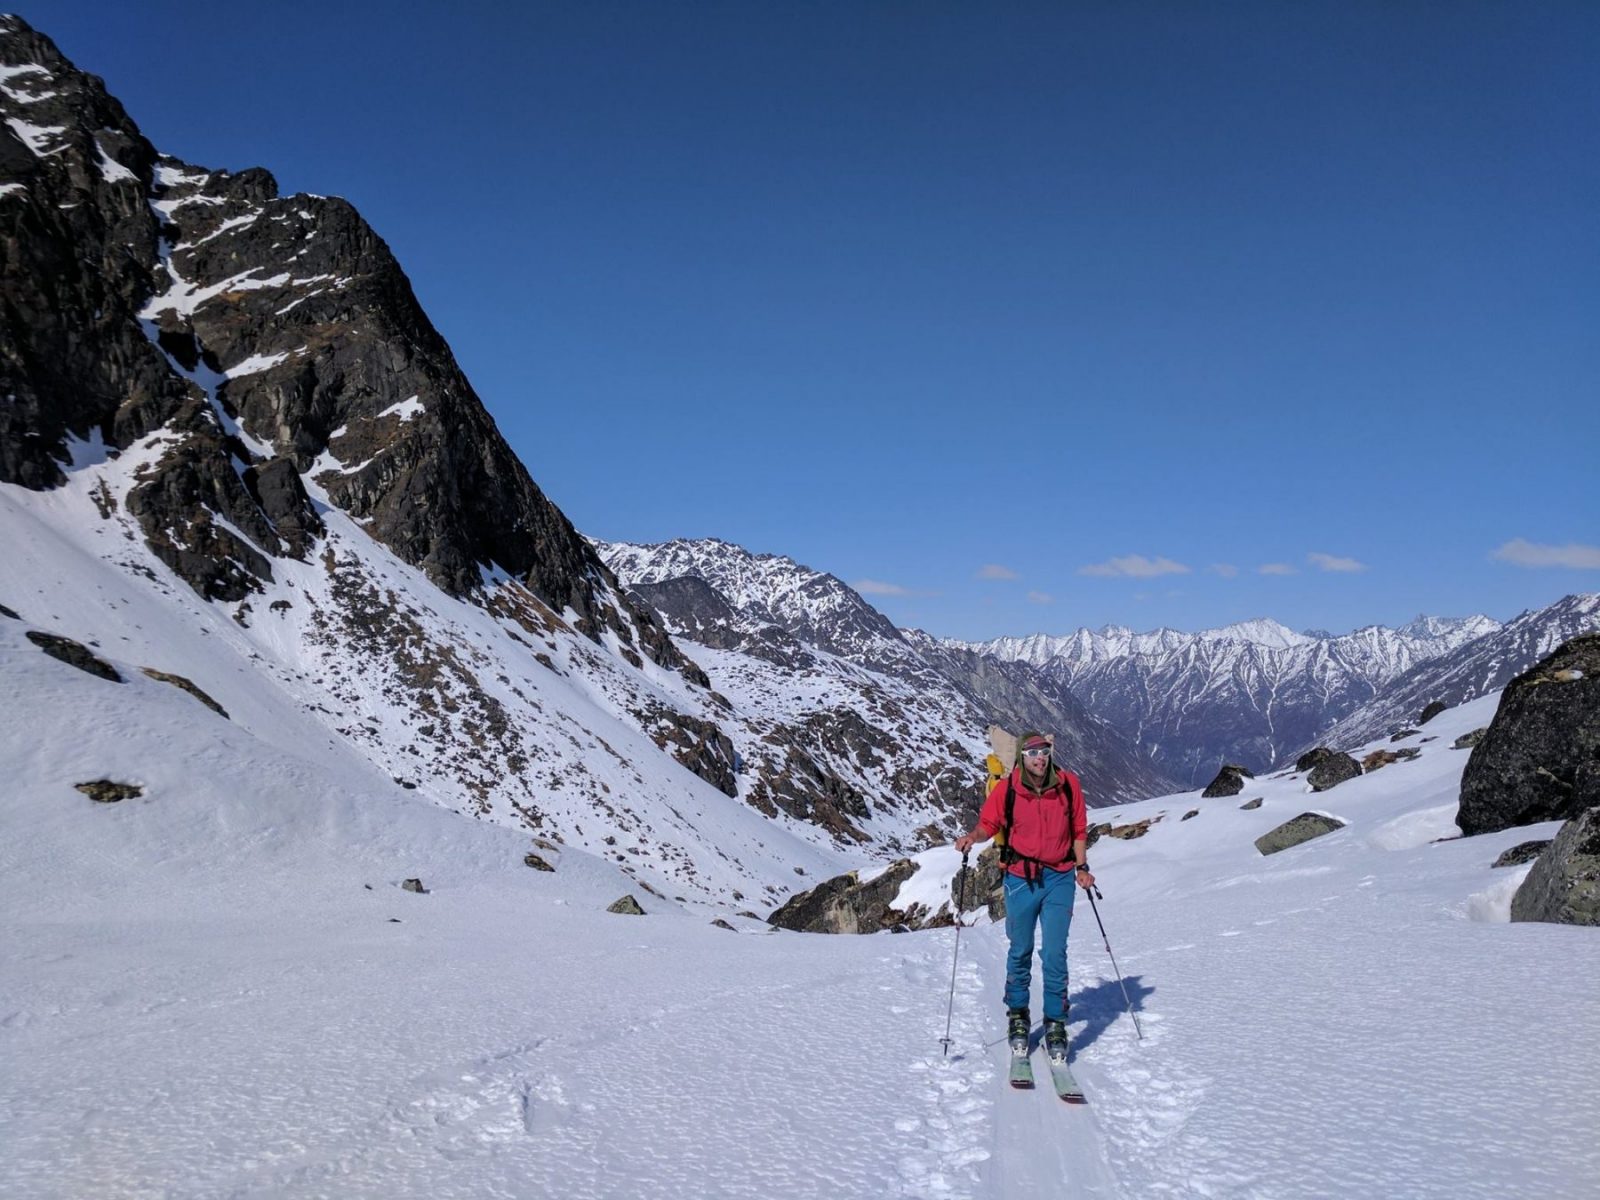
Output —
(1257, 692)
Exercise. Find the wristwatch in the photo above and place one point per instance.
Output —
(1083, 866)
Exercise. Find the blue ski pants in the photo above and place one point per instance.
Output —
(1046, 903)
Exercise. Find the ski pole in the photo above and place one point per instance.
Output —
(961, 903)
(1092, 890)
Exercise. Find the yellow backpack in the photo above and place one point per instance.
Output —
(1002, 756)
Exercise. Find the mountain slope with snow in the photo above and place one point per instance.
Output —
(763, 620)
(220, 988)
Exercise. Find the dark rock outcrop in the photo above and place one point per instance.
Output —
(186, 685)
(1301, 829)
(983, 885)
(1249, 805)
(1564, 884)
(627, 906)
(1229, 782)
(276, 340)
(74, 654)
(1431, 710)
(1522, 852)
(106, 791)
(1540, 759)
(1468, 740)
(1332, 771)
(843, 904)
(1312, 759)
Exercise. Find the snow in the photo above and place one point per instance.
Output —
(405, 410)
(37, 137)
(257, 363)
(13, 189)
(110, 169)
(220, 988)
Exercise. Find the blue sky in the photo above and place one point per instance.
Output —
(1019, 316)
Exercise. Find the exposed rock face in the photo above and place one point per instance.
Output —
(1229, 782)
(74, 654)
(106, 791)
(1250, 805)
(627, 906)
(1468, 740)
(1312, 759)
(276, 333)
(800, 621)
(1522, 852)
(845, 905)
(1431, 710)
(1301, 829)
(984, 885)
(1540, 759)
(187, 685)
(1332, 771)
(1564, 885)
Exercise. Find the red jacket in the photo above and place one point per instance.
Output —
(1044, 825)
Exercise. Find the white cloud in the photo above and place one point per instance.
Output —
(1041, 597)
(996, 571)
(1332, 562)
(1226, 570)
(1530, 554)
(1276, 569)
(1135, 566)
(873, 587)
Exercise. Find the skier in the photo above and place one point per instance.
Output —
(1040, 810)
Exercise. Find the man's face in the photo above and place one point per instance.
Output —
(1034, 758)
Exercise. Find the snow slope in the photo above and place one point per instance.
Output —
(220, 989)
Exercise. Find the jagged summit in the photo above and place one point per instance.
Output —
(784, 628)
(1255, 692)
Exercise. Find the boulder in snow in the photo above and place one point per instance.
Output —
(1468, 740)
(106, 791)
(1540, 759)
(1229, 782)
(414, 885)
(74, 654)
(1433, 709)
(1332, 771)
(1564, 885)
(627, 906)
(1301, 829)
(843, 904)
(1250, 804)
(1522, 852)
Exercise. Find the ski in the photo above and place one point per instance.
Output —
(1066, 1085)
(1021, 1071)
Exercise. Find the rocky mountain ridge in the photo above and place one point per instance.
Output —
(772, 619)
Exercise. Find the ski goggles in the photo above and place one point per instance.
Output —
(1036, 752)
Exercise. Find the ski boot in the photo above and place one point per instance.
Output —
(1055, 1040)
(1017, 1026)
